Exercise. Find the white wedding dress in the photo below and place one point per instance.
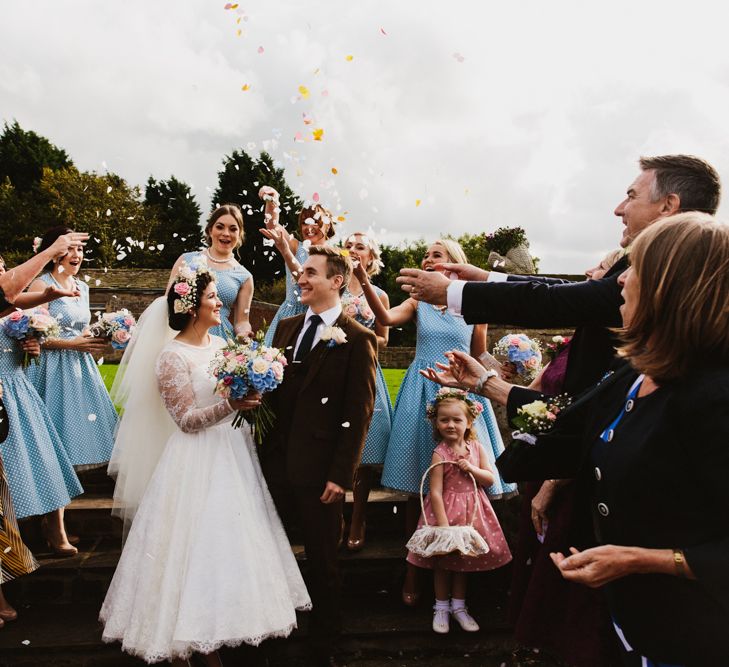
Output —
(206, 562)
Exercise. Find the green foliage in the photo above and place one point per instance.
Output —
(504, 239)
(238, 183)
(173, 205)
(24, 155)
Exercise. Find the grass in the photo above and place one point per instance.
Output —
(393, 377)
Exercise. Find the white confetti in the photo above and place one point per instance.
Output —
(97, 282)
(100, 361)
(8, 550)
(25, 642)
(108, 212)
(394, 509)
(324, 400)
(92, 417)
(345, 424)
(108, 189)
(87, 277)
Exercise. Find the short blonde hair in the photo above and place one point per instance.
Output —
(681, 320)
(375, 266)
(453, 249)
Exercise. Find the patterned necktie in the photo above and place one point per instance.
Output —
(308, 338)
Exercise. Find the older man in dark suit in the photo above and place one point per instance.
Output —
(323, 410)
(666, 185)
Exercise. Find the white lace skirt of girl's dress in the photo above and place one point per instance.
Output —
(207, 562)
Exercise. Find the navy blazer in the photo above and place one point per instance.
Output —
(592, 306)
(661, 482)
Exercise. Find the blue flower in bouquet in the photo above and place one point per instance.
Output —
(523, 352)
(16, 325)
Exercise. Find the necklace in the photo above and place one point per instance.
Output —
(217, 261)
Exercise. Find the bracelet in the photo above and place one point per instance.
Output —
(679, 561)
(487, 375)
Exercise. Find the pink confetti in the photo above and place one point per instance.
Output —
(315, 197)
(298, 137)
(458, 57)
(261, 49)
(325, 93)
(382, 30)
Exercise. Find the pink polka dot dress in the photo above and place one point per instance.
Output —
(460, 503)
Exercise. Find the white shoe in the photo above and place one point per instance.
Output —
(441, 621)
(464, 619)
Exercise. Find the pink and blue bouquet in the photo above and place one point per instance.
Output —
(523, 352)
(242, 367)
(116, 327)
(37, 323)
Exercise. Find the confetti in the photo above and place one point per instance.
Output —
(325, 93)
(8, 550)
(335, 171)
(349, 59)
(458, 57)
(244, 87)
(25, 642)
(324, 400)
(108, 212)
(341, 218)
(87, 277)
(239, 32)
(382, 30)
(315, 197)
(92, 417)
(394, 509)
(261, 49)
(231, 5)
(345, 424)
(109, 189)
(304, 92)
(417, 202)
(318, 134)
(97, 282)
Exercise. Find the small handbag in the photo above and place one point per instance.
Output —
(428, 541)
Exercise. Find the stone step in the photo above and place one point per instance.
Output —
(376, 631)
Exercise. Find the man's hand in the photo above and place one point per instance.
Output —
(462, 371)
(428, 286)
(332, 493)
(462, 271)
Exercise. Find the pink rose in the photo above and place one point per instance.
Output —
(129, 321)
(16, 315)
(367, 314)
(351, 310)
(514, 341)
(121, 336)
(227, 380)
(551, 416)
(240, 357)
(183, 289)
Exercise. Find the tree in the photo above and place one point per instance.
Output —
(105, 206)
(24, 155)
(238, 183)
(172, 203)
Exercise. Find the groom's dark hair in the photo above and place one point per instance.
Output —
(337, 263)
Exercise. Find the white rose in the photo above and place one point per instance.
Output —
(536, 409)
(557, 339)
(260, 366)
(338, 335)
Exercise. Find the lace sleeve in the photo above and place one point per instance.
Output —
(175, 387)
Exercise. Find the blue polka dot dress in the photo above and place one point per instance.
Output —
(72, 388)
(40, 474)
(292, 303)
(229, 282)
(379, 432)
(410, 449)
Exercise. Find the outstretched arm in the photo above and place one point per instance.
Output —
(389, 317)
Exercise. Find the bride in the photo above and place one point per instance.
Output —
(206, 562)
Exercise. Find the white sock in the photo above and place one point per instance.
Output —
(441, 605)
(457, 604)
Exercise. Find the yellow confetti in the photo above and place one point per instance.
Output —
(245, 87)
(340, 218)
(304, 92)
(318, 134)
(349, 59)
(334, 171)
(238, 32)
(417, 202)
(237, 21)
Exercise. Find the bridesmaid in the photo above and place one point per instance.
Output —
(224, 234)
(40, 475)
(365, 254)
(67, 377)
(410, 448)
(316, 227)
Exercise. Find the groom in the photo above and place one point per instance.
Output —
(323, 409)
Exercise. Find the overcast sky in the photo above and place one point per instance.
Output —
(526, 113)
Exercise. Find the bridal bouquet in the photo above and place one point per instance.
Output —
(37, 323)
(523, 352)
(116, 327)
(538, 417)
(358, 309)
(244, 366)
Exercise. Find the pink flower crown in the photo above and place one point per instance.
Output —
(185, 285)
(475, 408)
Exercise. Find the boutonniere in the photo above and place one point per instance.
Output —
(334, 336)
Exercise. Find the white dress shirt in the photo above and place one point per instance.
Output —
(455, 290)
(329, 317)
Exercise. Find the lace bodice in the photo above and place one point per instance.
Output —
(186, 385)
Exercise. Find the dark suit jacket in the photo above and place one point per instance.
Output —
(592, 306)
(323, 441)
(660, 483)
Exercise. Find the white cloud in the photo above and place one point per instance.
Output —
(538, 121)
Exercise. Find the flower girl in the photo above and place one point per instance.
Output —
(453, 502)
